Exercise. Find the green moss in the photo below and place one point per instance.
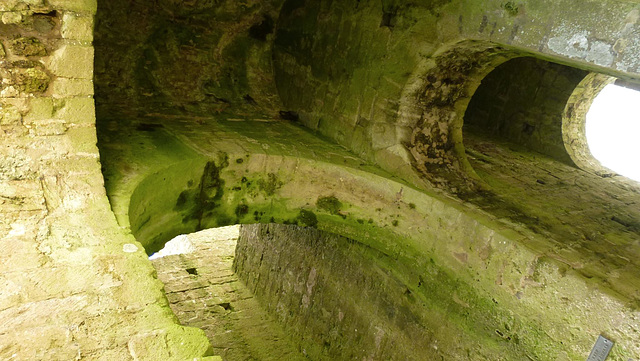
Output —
(28, 47)
(33, 80)
(182, 200)
(270, 185)
(511, 8)
(330, 204)
(241, 210)
(307, 218)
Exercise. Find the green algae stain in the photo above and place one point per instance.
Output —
(511, 8)
(241, 210)
(181, 202)
(330, 204)
(307, 218)
(270, 185)
(208, 196)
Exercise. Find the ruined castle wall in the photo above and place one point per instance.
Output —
(341, 300)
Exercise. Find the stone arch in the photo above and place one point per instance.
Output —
(439, 97)
(574, 122)
(202, 193)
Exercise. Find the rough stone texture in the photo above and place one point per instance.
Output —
(574, 119)
(375, 71)
(186, 57)
(182, 176)
(204, 292)
(70, 287)
(344, 301)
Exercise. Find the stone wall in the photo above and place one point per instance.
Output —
(358, 71)
(204, 292)
(343, 300)
(73, 284)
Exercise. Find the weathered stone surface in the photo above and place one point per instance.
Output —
(204, 292)
(83, 6)
(71, 87)
(28, 47)
(67, 290)
(11, 17)
(391, 82)
(187, 57)
(523, 101)
(72, 61)
(77, 27)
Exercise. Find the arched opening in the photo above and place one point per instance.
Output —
(524, 137)
(612, 129)
(599, 127)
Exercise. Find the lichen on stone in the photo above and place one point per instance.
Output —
(330, 204)
(32, 80)
(28, 47)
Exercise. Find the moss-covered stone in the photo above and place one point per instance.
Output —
(28, 47)
(307, 218)
(32, 80)
(330, 204)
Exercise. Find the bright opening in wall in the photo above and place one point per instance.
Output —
(613, 130)
(189, 243)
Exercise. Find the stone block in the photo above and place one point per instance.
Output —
(89, 6)
(77, 111)
(77, 27)
(50, 127)
(12, 17)
(71, 87)
(83, 140)
(39, 108)
(8, 5)
(72, 61)
(28, 47)
(9, 115)
(32, 80)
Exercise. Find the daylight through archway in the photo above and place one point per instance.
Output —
(612, 129)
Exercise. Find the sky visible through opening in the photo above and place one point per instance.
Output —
(613, 130)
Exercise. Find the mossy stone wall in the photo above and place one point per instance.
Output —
(73, 284)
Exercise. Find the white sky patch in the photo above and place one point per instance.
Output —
(613, 130)
(186, 243)
(179, 245)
